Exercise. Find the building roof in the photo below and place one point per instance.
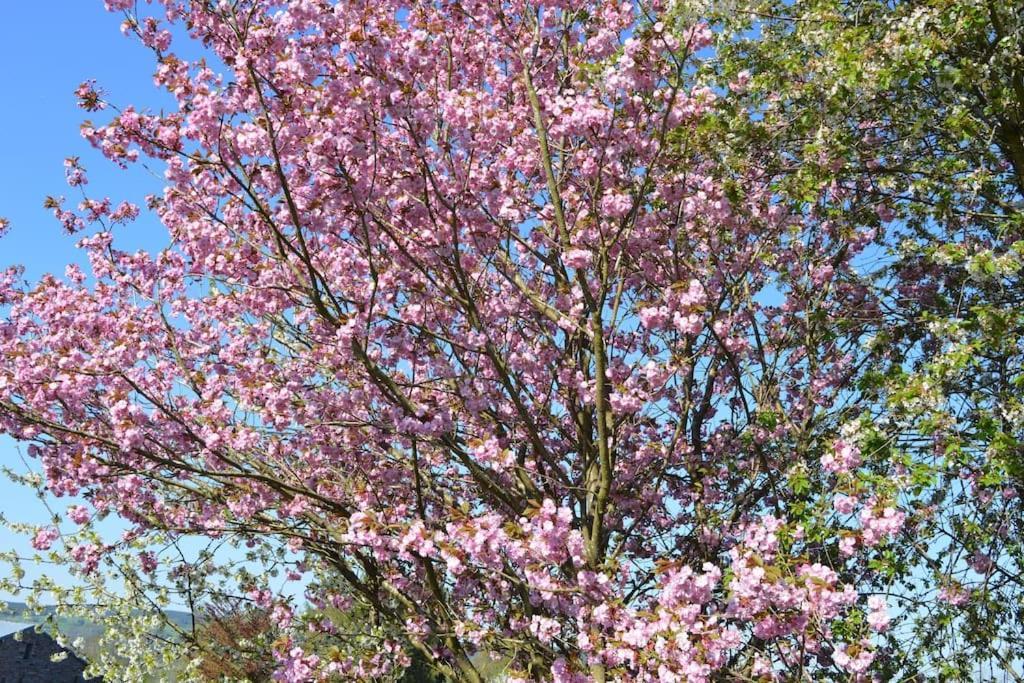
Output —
(25, 657)
(10, 627)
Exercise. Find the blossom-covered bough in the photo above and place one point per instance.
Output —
(460, 317)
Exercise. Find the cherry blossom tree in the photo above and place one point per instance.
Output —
(463, 322)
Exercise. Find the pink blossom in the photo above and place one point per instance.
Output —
(90, 97)
(843, 457)
(980, 562)
(654, 317)
(45, 537)
(79, 514)
(879, 521)
(954, 595)
(739, 84)
(854, 659)
(615, 204)
(148, 561)
(87, 555)
(885, 213)
(297, 666)
(878, 616)
(577, 258)
(843, 504)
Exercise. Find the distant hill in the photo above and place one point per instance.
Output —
(75, 627)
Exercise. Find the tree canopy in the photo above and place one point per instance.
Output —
(586, 341)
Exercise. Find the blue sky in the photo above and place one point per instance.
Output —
(47, 49)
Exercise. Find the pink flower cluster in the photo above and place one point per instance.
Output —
(44, 538)
(843, 458)
(855, 658)
(879, 522)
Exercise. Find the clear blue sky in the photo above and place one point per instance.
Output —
(47, 48)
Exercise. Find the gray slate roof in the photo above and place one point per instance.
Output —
(25, 658)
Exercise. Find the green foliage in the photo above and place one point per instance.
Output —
(908, 116)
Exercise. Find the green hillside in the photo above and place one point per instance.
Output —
(74, 627)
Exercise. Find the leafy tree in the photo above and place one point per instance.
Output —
(914, 111)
